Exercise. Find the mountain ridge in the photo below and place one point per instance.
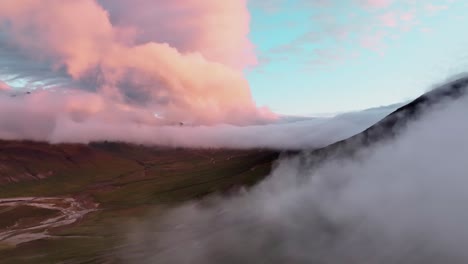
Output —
(391, 125)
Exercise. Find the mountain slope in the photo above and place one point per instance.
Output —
(22, 161)
(25, 161)
(392, 125)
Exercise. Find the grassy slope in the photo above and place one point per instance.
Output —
(127, 181)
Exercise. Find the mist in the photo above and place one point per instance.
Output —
(398, 201)
(74, 116)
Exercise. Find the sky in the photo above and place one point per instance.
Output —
(339, 55)
(238, 62)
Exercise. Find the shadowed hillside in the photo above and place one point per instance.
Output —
(22, 161)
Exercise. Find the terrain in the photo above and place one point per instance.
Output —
(69, 203)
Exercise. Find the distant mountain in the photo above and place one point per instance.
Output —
(285, 119)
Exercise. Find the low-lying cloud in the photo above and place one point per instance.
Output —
(398, 201)
(59, 116)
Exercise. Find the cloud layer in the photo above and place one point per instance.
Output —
(82, 117)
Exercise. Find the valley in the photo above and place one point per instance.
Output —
(78, 211)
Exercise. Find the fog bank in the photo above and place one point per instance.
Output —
(400, 201)
(80, 117)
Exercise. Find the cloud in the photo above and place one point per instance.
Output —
(116, 77)
(369, 25)
(81, 117)
(217, 29)
(197, 80)
(4, 86)
(401, 201)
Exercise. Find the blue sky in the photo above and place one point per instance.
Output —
(341, 55)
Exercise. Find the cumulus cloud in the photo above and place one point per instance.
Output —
(399, 201)
(189, 71)
(216, 29)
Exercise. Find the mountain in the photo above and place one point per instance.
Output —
(391, 125)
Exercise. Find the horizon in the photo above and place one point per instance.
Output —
(233, 131)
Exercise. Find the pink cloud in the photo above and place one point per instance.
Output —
(217, 29)
(197, 80)
(40, 114)
(196, 89)
(57, 29)
(79, 116)
(4, 86)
